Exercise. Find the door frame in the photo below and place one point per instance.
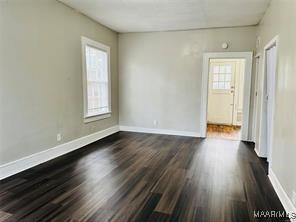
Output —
(248, 56)
(255, 124)
(265, 151)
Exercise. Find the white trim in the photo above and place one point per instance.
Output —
(248, 56)
(98, 117)
(258, 55)
(158, 131)
(35, 159)
(255, 97)
(274, 41)
(263, 148)
(285, 200)
(89, 42)
(258, 152)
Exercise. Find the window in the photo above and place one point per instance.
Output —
(222, 77)
(96, 80)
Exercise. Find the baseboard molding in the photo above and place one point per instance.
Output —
(27, 162)
(158, 131)
(285, 200)
(258, 153)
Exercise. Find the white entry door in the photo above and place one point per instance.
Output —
(221, 92)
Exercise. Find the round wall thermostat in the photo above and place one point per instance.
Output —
(224, 45)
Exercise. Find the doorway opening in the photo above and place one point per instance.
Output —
(225, 98)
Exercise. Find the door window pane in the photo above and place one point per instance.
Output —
(216, 69)
(222, 77)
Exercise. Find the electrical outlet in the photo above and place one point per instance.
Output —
(59, 137)
(155, 122)
(294, 198)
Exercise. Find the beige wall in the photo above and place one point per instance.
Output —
(40, 76)
(280, 20)
(160, 74)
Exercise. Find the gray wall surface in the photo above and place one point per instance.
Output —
(160, 74)
(41, 76)
(280, 20)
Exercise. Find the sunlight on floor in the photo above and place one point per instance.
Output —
(224, 131)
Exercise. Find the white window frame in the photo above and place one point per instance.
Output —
(88, 42)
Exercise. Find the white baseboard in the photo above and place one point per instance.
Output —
(285, 200)
(158, 131)
(27, 162)
(258, 153)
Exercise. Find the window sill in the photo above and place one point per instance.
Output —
(97, 117)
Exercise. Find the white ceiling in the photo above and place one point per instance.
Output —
(165, 15)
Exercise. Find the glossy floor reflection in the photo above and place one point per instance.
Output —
(143, 177)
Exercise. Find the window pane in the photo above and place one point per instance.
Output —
(221, 78)
(215, 85)
(227, 85)
(222, 69)
(216, 69)
(228, 77)
(221, 85)
(228, 69)
(216, 78)
(97, 80)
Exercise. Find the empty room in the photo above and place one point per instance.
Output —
(147, 110)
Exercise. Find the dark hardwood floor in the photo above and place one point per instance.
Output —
(144, 177)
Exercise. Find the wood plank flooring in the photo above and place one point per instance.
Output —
(144, 177)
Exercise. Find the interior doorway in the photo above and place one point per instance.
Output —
(225, 98)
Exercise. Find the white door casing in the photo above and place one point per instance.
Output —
(248, 56)
(255, 96)
(265, 139)
(270, 90)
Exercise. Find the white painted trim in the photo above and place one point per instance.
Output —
(285, 200)
(89, 42)
(255, 96)
(158, 131)
(35, 159)
(263, 146)
(274, 41)
(248, 56)
(98, 117)
(258, 153)
(258, 55)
